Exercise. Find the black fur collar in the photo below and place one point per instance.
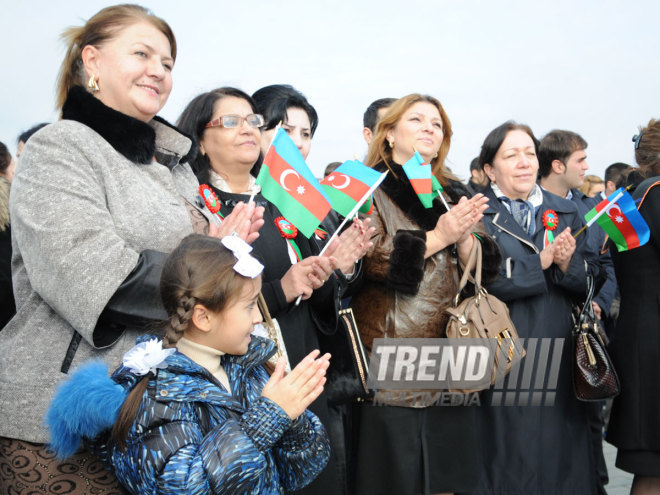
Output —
(399, 190)
(131, 137)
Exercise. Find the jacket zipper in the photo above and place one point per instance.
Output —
(524, 241)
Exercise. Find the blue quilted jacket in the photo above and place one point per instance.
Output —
(191, 436)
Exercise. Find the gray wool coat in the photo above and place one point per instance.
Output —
(81, 214)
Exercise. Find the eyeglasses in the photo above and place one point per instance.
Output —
(233, 121)
(637, 138)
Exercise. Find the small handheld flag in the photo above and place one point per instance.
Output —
(423, 181)
(619, 218)
(349, 215)
(287, 182)
(347, 186)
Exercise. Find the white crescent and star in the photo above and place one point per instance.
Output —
(615, 213)
(347, 181)
(284, 176)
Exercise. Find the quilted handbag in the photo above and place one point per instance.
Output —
(594, 376)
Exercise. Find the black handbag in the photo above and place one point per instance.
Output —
(349, 365)
(594, 377)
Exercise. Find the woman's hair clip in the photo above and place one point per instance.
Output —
(637, 139)
(147, 357)
(247, 265)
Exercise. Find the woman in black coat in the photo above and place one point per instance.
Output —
(531, 447)
(292, 267)
(634, 426)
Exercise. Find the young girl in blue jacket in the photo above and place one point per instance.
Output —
(198, 412)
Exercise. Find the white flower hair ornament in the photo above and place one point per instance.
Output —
(247, 265)
(147, 357)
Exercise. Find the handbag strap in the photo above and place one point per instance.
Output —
(587, 309)
(474, 262)
(270, 324)
(263, 307)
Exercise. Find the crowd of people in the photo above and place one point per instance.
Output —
(134, 358)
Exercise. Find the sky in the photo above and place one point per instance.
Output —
(590, 66)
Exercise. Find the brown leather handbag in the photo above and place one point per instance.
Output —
(594, 376)
(483, 316)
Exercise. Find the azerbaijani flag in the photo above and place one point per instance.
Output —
(287, 182)
(348, 185)
(619, 218)
(422, 179)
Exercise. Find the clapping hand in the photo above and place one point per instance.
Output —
(297, 390)
(306, 276)
(456, 225)
(560, 251)
(245, 220)
(564, 249)
(351, 245)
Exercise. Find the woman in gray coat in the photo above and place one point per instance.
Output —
(99, 199)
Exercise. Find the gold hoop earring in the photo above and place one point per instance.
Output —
(92, 84)
(436, 155)
(391, 144)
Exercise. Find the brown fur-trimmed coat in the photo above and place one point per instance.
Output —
(405, 295)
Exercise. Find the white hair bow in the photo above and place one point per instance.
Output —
(147, 356)
(247, 265)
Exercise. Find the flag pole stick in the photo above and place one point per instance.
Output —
(601, 212)
(579, 232)
(349, 216)
(444, 201)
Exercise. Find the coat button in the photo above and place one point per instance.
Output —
(163, 393)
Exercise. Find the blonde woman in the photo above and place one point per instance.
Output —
(592, 185)
(411, 446)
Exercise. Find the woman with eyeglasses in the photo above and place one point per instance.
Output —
(99, 199)
(227, 127)
(635, 348)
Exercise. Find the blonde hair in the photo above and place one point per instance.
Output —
(380, 151)
(99, 29)
(647, 154)
(589, 182)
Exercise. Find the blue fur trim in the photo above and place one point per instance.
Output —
(85, 404)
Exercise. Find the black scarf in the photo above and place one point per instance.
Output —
(134, 139)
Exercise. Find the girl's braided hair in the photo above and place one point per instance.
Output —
(199, 271)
